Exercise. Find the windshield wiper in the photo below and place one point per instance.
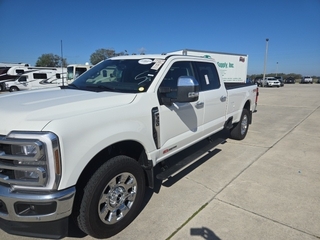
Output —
(71, 85)
(101, 87)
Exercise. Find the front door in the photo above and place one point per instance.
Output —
(179, 123)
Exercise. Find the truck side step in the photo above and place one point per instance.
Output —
(189, 159)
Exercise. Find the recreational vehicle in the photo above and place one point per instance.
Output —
(36, 79)
(10, 71)
(13, 71)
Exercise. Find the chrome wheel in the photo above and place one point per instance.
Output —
(111, 198)
(244, 124)
(117, 198)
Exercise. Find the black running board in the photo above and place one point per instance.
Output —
(184, 162)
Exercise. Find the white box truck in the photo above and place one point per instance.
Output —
(232, 67)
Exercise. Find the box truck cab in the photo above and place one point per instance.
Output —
(75, 70)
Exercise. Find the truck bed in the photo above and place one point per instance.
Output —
(237, 85)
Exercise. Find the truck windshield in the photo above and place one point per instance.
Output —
(125, 75)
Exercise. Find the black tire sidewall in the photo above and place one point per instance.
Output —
(89, 218)
(13, 89)
(236, 131)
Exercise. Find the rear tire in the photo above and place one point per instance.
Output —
(112, 197)
(239, 131)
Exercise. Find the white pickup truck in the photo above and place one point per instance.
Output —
(87, 151)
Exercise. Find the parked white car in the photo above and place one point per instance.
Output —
(271, 82)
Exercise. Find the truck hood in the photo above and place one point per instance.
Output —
(32, 110)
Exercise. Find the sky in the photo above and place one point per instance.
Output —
(77, 28)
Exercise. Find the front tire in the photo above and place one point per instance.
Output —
(112, 197)
(13, 89)
(239, 131)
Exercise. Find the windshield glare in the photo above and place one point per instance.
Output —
(131, 75)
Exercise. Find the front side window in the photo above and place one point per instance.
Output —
(79, 71)
(23, 79)
(69, 73)
(178, 69)
(124, 75)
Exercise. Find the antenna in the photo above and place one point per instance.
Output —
(62, 65)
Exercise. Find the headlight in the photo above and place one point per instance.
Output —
(30, 160)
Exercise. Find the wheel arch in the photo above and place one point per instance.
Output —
(247, 106)
(130, 148)
(13, 89)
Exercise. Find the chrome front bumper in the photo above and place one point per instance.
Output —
(35, 206)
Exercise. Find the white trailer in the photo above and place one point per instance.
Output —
(233, 67)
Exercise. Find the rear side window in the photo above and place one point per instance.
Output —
(208, 76)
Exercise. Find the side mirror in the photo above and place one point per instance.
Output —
(188, 89)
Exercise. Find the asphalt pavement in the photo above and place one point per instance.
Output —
(264, 187)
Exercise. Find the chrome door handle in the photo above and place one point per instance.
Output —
(223, 98)
(199, 104)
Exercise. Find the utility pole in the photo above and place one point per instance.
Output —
(265, 62)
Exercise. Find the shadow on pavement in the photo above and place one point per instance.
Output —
(204, 232)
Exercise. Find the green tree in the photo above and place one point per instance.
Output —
(101, 54)
(51, 60)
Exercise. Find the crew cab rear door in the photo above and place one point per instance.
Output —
(214, 97)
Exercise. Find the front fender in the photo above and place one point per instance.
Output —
(81, 138)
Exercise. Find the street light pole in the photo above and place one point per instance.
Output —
(265, 62)
(277, 70)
